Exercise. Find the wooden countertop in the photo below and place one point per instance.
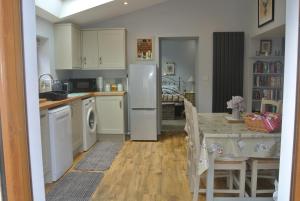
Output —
(52, 104)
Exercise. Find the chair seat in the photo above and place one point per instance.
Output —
(230, 159)
(262, 160)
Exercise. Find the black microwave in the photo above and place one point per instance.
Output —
(83, 85)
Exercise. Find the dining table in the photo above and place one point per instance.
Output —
(221, 138)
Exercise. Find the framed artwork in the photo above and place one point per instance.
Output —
(145, 48)
(265, 12)
(266, 47)
(170, 69)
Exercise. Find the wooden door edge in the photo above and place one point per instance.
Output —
(13, 104)
(295, 183)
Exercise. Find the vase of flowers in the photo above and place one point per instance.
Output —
(237, 104)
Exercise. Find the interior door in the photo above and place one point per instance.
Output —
(295, 193)
(14, 132)
(90, 52)
(112, 49)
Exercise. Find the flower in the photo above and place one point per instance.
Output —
(237, 102)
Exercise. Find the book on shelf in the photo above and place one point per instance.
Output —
(268, 67)
(261, 81)
(267, 82)
(271, 94)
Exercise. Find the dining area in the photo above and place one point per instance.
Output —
(228, 161)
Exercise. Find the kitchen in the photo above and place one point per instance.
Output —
(95, 88)
(78, 112)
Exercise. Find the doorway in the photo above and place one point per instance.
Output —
(177, 60)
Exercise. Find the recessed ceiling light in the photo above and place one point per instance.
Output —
(125, 3)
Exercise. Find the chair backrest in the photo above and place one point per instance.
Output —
(188, 116)
(196, 135)
(276, 104)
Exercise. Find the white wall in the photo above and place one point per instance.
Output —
(192, 18)
(45, 30)
(289, 100)
(32, 101)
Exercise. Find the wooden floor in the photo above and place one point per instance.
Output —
(148, 171)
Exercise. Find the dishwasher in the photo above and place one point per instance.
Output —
(60, 141)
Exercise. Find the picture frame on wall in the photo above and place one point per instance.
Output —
(170, 68)
(265, 12)
(266, 47)
(145, 49)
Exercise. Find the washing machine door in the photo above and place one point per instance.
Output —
(91, 120)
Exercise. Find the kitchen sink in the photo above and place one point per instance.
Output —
(54, 95)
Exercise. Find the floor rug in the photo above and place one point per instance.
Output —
(101, 156)
(75, 186)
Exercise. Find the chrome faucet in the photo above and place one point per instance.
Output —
(43, 75)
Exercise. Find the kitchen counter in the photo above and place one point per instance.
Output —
(52, 104)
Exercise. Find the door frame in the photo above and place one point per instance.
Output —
(13, 111)
(295, 193)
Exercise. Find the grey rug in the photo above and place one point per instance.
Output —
(75, 186)
(101, 156)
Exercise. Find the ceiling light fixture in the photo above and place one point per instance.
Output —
(125, 3)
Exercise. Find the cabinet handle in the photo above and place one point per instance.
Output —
(120, 104)
(85, 60)
(100, 60)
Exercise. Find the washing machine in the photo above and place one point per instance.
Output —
(89, 123)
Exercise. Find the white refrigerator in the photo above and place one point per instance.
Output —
(144, 102)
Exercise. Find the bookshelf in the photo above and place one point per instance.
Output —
(267, 80)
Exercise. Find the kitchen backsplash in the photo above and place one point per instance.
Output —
(98, 73)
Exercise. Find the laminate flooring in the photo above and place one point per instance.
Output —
(148, 171)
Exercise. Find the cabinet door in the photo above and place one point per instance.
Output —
(112, 49)
(76, 50)
(90, 52)
(110, 115)
(45, 145)
(76, 114)
(63, 46)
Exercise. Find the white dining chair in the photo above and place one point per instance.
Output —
(265, 102)
(270, 164)
(220, 164)
(256, 165)
(188, 116)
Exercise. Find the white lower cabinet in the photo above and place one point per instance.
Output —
(110, 115)
(76, 114)
(46, 145)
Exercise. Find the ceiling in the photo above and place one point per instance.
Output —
(100, 13)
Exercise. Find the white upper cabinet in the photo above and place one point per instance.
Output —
(112, 49)
(95, 49)
(67, 46)
(104, 49)
(90, 50)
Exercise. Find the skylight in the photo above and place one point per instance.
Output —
(64, 8)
